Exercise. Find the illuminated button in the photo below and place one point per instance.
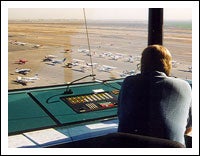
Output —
(115, 92)
(105, 96)
(107, 104)
(82, 110)
(101, 96)
(89, 98)
(85, 99)
(109, 95)
(91, 106)
(93, 98)
(97, 97)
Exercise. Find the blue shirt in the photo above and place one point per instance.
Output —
(154, 104)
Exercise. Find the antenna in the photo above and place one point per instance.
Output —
(68, 90)
(88, 44)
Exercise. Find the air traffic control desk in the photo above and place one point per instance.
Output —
(53, 115)
(45, 116)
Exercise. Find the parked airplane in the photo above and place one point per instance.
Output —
(106, 68)
(22, 71)
(83, 50)
(190, 68)
(92, 64)
(25, 80)
(120, 54)
(129, 59)
(102, 55)
(115, 57)
(29, 78)
(49, 58)
(19, 43)
(58, 61)
(127, 73)
(22, 82)
(36, 46)
(108, 54)
(174, 63)
(137, 58)
(78, 61)
(83, 68)
(75, 62)
(21, 61)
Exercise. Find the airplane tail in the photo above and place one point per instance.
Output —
(36, 76)
(19, 77)
(64, 59)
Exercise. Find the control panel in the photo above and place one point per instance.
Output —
(92, 102)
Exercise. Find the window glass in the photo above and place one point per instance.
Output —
(53, 46)
(178, 39)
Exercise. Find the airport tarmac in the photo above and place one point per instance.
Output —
(62, 40)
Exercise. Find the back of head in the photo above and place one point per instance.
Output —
(156, 58)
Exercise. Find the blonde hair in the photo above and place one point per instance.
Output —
(156, 58)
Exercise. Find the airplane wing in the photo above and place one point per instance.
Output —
(106, 68)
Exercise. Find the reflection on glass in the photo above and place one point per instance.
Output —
(55, 51)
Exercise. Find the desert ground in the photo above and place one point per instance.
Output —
(33, 41)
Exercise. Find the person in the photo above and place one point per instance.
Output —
(153, 103)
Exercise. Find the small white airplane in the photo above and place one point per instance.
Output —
(92, 64)
(174, 63)
(190, 68)
(18, 43)
(127, 73)
(28, 78)
(25, 80)
(129, 59)
(22, 71)
(21, 43)
(75, 62)
(78, 61)
(103, 55)
(22, 82)
(58, 61)
(80, 68)
(36, 46)
(116, 56)
(106, 68)
(137, 58)
(83, 50)
(120, 54)
(83, 68)
(49, 58)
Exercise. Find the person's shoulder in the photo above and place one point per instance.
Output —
(177, 81)
(132, 78)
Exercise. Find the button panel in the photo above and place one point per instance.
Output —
(91, 102)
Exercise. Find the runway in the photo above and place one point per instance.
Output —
(68, 39)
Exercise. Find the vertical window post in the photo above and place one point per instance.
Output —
(155, 26)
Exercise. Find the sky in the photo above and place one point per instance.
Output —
(133, 10)
(96, 13)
